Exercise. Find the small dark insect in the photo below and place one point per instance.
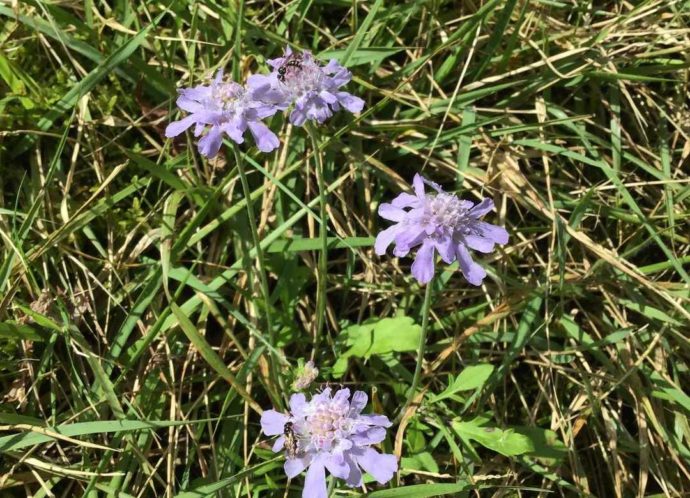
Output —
(290, 440)
(293, 61)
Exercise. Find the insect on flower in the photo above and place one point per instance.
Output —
(300, 81)
(329, 432)
(291, 442)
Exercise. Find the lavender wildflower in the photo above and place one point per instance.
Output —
(329, 432)
(227, 108)
(299, 79)
(440, 222)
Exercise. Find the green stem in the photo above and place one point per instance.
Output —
(322, 266)
(263, 279)
(426, 308)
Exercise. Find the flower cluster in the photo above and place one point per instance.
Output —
(227, 108)
(329, 432)
(442, 222)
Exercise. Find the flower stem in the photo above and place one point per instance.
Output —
(322, 266)
(426, 308)
(263, 279)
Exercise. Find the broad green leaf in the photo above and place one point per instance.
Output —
(420, 461)
(472, 377)
(506, 442)
(546, 443)
(422, 491)
(377, 337)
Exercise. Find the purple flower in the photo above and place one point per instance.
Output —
(329, 432)
(227, 108)
(299, 79)
(441, 222)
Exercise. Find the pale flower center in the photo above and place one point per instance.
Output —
(327, 424)
(300, 75)
(227, 95)
(447, 212)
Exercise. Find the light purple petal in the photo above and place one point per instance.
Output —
(433, 185)
(381, 467)
(446, 249)
(391, 212)
(328, 97)
(259, 84)
(209, 145)
(478, 243)
(405, 200)
(373, 435)
(315, 482)
(354, 479)
(189, 105)
(235, 129)
(264, 111)
(471, 270)
(342, 395)
(298, 117)
(385, 238)
(177, 127)
(318, 110)
(418, 184)
(482, 208)
(350, 102)
(377, 420)
(295, 466)
(409, 236)
(493, 232)
(277, 62)
(273, 422)
(340, 76)
(278, 444)
(265, 139)
(358, 403)
(337, 466)
(333, 66)
(298, 402)
(199, 92)
(423, 266)
(267, 89)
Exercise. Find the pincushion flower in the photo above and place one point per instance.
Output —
(223, 108)
(438, 221)
(299, 79)
(330, 432)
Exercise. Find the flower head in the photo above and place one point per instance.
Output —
(439, 221)
(223, 107)
(299, 79)
(330, 432)
(304, 375)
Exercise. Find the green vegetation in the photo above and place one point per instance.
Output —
(134, 351)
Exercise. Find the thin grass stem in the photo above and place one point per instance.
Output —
(263, 279)
(322, 265)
